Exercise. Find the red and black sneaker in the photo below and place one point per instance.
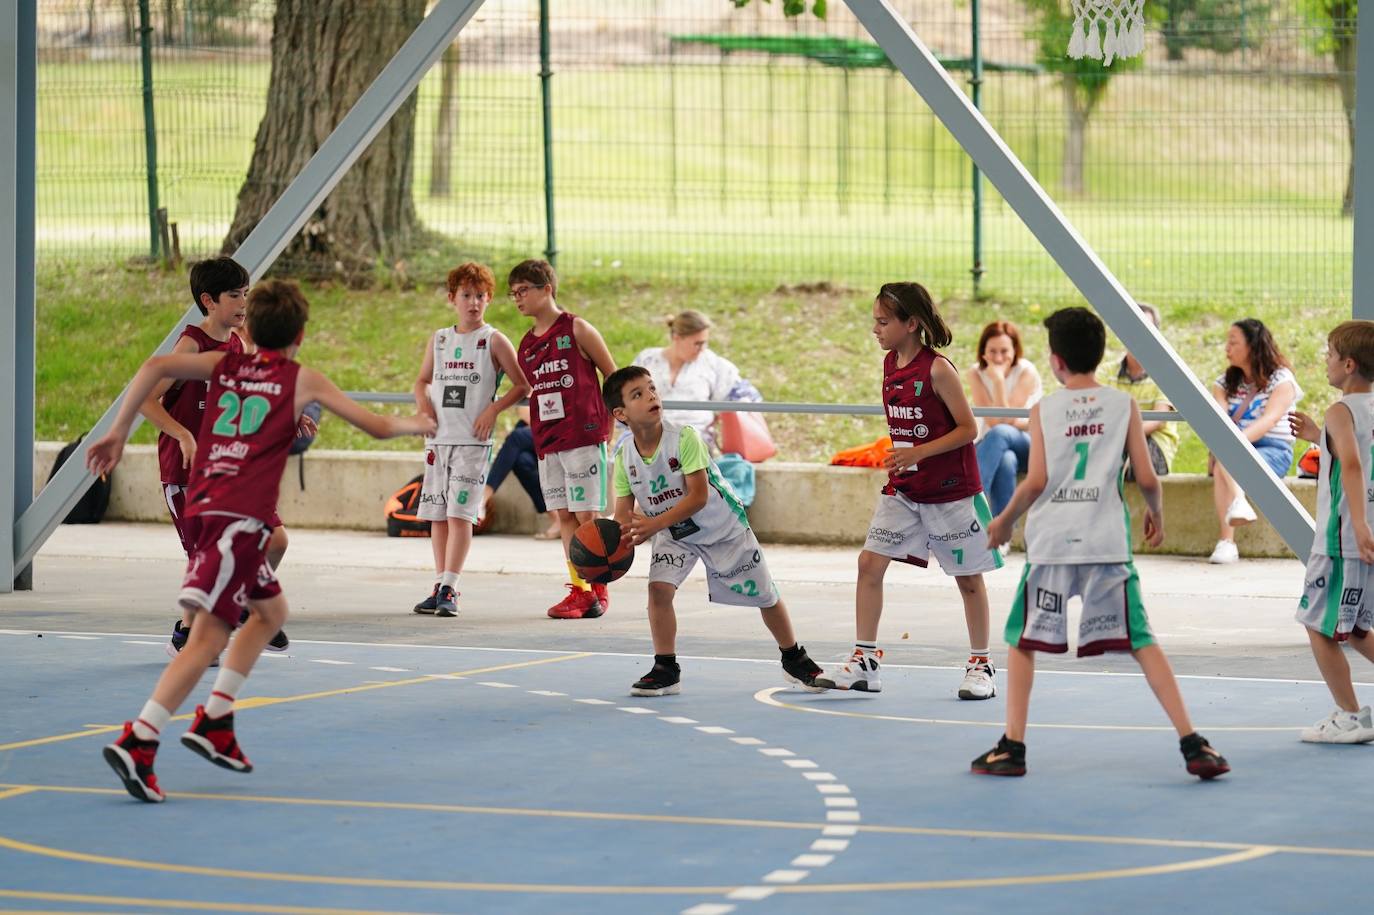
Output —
(603, 595)
(1202, 760)
(132, 760)
(214, 739)
(578, 605)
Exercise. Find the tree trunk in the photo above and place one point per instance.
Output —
(1075, 130)
(445, 124)
(324, 54)
(169, 21)
(1344, 56)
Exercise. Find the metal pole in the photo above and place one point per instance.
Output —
(145, 40)
(842, 141)
(1081, 265)
(724, 128)
(545, 89)
(672, 130)
(1362, 268)
(976, 82)
(275, 230)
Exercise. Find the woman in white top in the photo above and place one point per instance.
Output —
(1002, 379)
(686, 369)
(1257, 391)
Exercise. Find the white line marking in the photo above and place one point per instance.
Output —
(446, 677)
(594, 702)
(840, 830)
(636, 710)
(799, 763)
(840, 801)
(268, 654)
(752, 893)
(391, 670)
(545, 692)
(747, 741)
(842, 816)
(786, 876)
(328, 661)
(494, 685)
(81, 638)
(677, 719)
(709, 908)
(775, 751)
(140, 642)
(830, 845)
(712, 729)
(812, 860)
(819, 776)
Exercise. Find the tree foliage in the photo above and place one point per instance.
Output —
(1222, 26)
(792, 7)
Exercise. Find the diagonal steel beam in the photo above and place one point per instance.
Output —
(1078, 261)
(280, 224)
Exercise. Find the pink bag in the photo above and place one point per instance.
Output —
(746, 434)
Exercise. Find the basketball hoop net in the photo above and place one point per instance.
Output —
(1122, 29)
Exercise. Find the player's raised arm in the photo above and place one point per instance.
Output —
(102, 456)
(593, 346)
(312, 385)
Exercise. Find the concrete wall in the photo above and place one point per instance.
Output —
(795, 503)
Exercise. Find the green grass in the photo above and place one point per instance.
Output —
(810, 344)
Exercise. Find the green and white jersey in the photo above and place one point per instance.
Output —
(659, 482)
(1334, 535)
(463, 384)
(1081, 516)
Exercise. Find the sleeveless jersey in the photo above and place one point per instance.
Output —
(566, 410)
(463, 385)
(659, 484)
(1081, 517)
(916, 414)
(250, 424)
(1334, 534)
(185, 401)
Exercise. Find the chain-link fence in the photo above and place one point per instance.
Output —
(692, 139)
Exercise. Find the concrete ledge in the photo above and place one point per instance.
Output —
(795, 503)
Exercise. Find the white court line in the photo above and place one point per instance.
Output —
(391, 670)
(752, 893)
(845, 801)
(747, 741)
(677, 719)
(545, 692)
(636, 710)
(833, 830)
(842, 816)
(799, 763)
(830, 845)
(819, 776)
(709, 908)
(495, 685)
(142, 642)
(812, 860)
(712, 729)
(81, 638)
(632, 654)
(833, 789)
(594, 702)
(775, 751)
(785, 876)
(330, 661)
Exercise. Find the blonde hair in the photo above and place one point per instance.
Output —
(687, 323)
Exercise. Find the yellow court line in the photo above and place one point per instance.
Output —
(192, 904)
(262, 701)
(8, 791)
(766, 697)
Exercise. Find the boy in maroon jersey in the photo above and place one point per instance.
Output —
(256, 404)
(561, 355)
(219, 286)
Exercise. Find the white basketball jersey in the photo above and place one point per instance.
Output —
(1081, 516)
(463, 385)
(659, 484)
(1334, 534)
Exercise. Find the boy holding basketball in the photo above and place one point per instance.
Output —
(690, 513)
(1078, 545)
(561, 356)
(459, 374)
(235, 478)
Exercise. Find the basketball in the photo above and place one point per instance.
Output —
(599, 553)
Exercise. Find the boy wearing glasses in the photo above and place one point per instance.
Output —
(561, 355)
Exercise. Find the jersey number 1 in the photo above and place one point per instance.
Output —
(240, 417)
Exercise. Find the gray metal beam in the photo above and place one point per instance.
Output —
(276, 229)
(1078, 261)
(1362, 268)
(9, 234)
(25, 328)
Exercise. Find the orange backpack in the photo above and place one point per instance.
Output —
(870, 455)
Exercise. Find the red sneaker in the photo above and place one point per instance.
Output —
(577, 605)
(603, 595)
(214, 739)
(132, 760)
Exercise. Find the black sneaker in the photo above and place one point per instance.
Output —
(1202, 760)
(797, 667)
(132, 760)
(431, 603)
(279, 641)
(1007, 758)
(661, 681)
(447, 602)
(180, 634)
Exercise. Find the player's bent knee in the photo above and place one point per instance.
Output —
(872, 565)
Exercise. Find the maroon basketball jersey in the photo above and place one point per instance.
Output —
(566, 410)
(250, 424)
(185, 401)
(915, 414)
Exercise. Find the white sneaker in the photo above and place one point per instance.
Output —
(1341, 727)
(1240, 512)
(860, 673)
(978, 681)
(1224, 553)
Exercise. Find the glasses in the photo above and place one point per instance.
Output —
(519, 292)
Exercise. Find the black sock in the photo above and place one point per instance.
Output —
(794, 652)
(666, 660)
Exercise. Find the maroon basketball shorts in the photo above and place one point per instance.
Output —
(228, 568)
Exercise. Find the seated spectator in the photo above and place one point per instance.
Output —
(1002, 379)
(1160, 437)
(686, 369)
(517, 455)
(1258, 390)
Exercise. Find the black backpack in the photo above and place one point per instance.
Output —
(91, 508)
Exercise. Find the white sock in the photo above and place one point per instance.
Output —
(449, 580)
(227, 685)
(866, 647)
(151, 721)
